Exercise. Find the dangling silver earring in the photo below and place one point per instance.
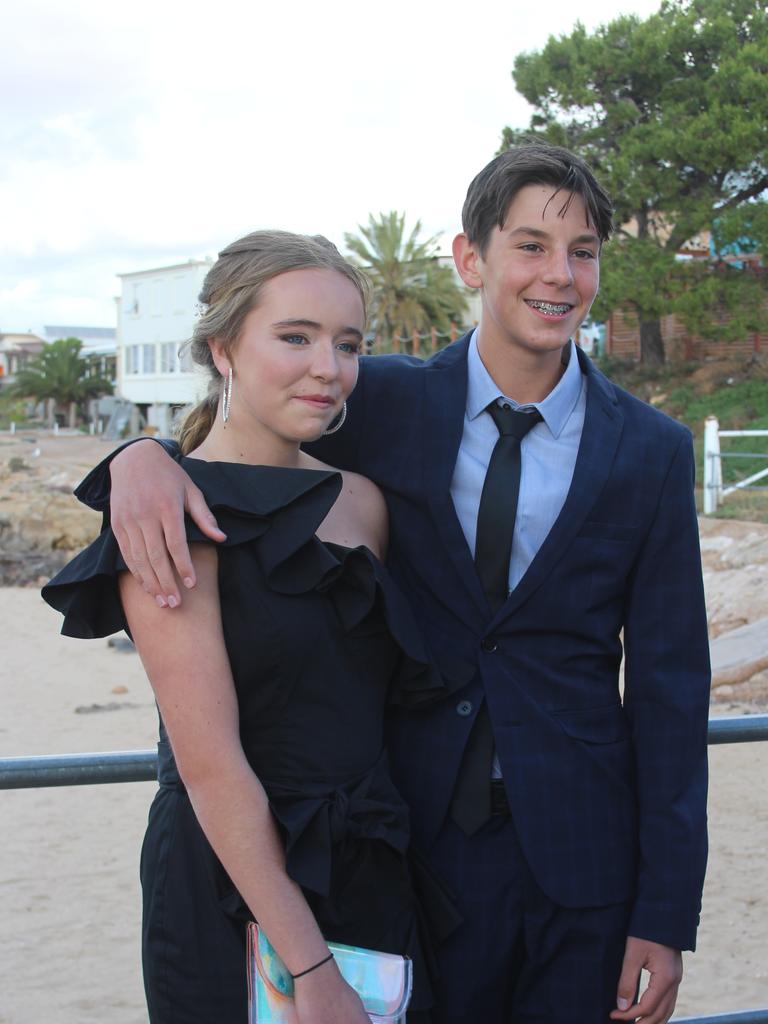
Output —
(226, 396)
(339, 423)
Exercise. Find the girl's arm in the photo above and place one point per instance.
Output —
(186, 661)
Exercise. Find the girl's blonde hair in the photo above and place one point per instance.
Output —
(230, 291)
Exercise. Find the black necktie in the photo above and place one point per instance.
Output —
(498, 502)
(471, 805)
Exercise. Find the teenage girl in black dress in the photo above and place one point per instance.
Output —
(272, 678)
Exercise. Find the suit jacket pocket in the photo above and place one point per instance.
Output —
(620, 532)
(606, 724)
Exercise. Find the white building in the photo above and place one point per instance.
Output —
(155, 316)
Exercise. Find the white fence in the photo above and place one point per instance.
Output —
(714, 491)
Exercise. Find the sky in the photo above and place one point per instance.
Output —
(143, 134)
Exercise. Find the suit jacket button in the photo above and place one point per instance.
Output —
(464, 708)
(489, 645)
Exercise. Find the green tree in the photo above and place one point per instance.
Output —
(62, 375)
(672, 114)
(411, 291)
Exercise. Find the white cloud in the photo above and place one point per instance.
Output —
(147, 132)
(26, 288)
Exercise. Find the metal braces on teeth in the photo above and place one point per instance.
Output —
(552, 307)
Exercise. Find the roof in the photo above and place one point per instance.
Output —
(69, 331)
(172, 266)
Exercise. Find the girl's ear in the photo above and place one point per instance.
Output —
(221, 360)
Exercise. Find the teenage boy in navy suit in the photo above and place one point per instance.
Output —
(580, 858)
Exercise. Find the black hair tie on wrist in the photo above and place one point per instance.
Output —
(313, 967)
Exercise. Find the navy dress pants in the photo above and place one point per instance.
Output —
(518, 958)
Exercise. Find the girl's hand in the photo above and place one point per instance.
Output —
(323, 997)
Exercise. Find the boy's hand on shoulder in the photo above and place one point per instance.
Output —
(665, 967)
(150, 494)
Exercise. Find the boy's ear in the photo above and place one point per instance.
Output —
(466, 258)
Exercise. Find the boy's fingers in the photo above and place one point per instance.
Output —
(194, 502)
(626, 991)
(167, 592)
(178, 549)
(132, 547)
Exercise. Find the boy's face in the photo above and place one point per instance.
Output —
(539, 274)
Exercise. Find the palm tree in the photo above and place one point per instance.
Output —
(60, 374)
(411, 290)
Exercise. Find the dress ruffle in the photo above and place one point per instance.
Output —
(278, 510)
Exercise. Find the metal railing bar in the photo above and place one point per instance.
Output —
(721, 487)
(740, 1017)
(78, 769)
(737, 729)
(745, 482)
(141, 765)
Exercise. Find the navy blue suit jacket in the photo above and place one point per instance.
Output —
(608, 796)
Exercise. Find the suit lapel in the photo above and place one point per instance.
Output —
(445, 401)
(603, 424)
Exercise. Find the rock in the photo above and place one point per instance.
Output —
(59, 482)
(18, 569)
(719, 543)
(121, 644)
(740, 654)
(113, 705)
(748, 555)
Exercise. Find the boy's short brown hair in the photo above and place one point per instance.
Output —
(532, 163)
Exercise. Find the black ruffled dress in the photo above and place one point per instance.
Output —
(319, 640)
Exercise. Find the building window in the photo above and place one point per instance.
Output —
(168, 362)
(132, 359)
(148, 360)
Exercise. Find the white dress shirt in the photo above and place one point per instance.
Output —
(548, 456)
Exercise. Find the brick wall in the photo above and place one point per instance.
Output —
(623, 339)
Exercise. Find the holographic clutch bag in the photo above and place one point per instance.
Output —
(382, 980)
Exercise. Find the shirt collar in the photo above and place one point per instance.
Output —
(555, 408)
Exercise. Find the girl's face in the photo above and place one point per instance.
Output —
(295, 361)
